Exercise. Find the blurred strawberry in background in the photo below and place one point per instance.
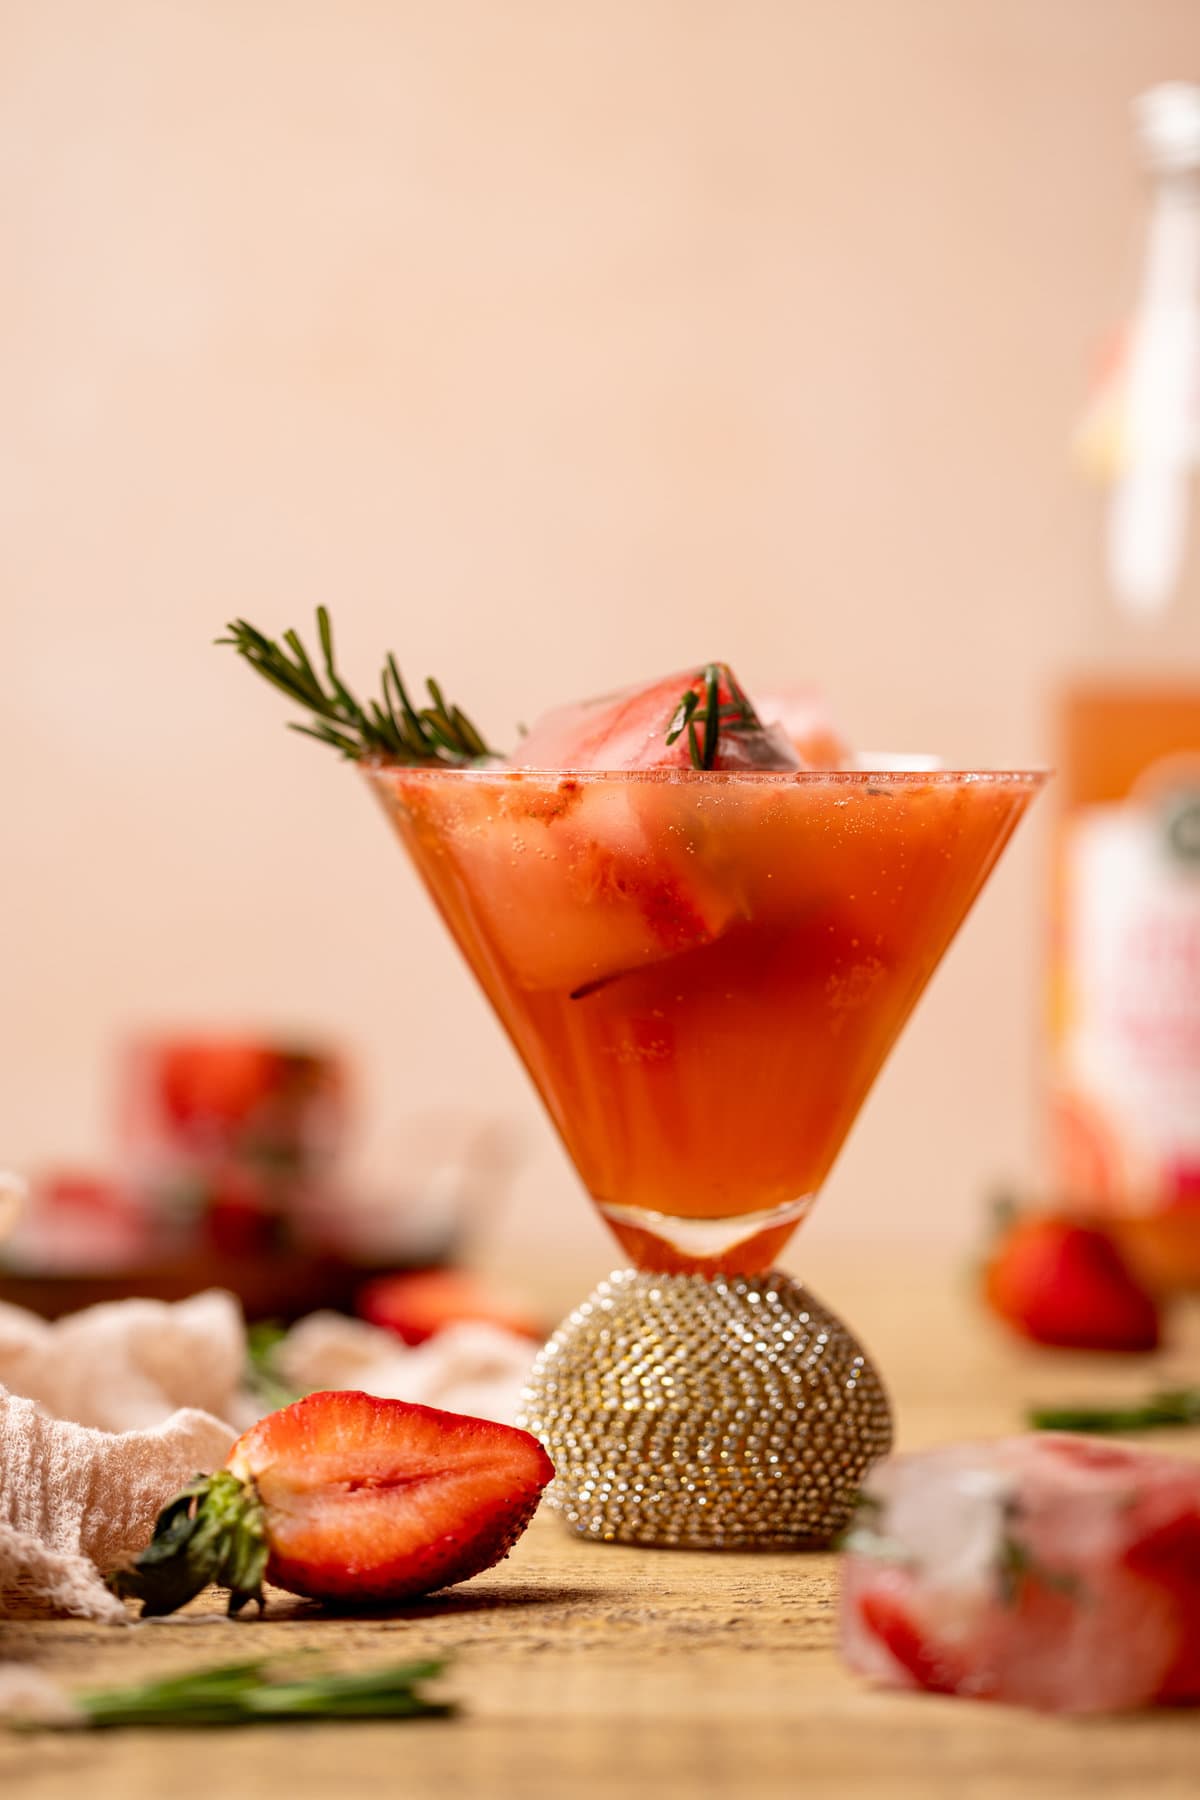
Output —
(1059, 1281)
(234, 1165)
(80, 1219)
(245, 1098)
(417, 1306)
(239, 1133)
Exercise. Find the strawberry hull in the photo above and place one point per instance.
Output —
(1049, 1571)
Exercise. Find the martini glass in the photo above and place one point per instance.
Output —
(703, 973)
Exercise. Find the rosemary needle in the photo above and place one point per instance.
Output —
(390, 727)
(1180, 1406)
(247, 1694)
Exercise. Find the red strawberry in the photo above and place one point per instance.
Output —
(928, 1665)
(1169, 1557)
(345, 1497)
(1061, 1282)
(214, 1083)
(418, 1306)
(629, 730)
(238, 1095)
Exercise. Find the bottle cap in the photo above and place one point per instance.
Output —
(1167, 122)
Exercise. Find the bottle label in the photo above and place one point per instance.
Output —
(1126, 1108)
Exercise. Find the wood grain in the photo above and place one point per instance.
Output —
(586, 1671)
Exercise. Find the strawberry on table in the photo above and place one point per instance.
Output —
(1061, 1282)
(1050, 1571)
(345, 1498)
(417, 1306)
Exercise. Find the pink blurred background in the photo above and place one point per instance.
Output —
(553, 346)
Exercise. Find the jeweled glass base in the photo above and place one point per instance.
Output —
(734, 1413)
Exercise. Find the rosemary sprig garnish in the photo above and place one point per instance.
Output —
(1180, 1406)
(248, 1694)
(705, 709)
(391, 727)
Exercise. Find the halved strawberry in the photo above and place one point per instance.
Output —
(345, 1497)
(629, 730)
(1061, 1282)
(419, 1305)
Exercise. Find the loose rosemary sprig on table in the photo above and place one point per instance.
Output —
(249, 1694)
(1180, 1406)
(391, 727)
(696, 709)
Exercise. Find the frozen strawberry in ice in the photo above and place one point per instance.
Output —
(612, 893)
(700, 718)
(570, 885)
(1049, 1571)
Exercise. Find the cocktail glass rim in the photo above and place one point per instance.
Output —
(672, 776)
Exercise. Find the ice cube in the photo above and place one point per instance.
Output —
(578, 881)
(1051, 1571)
(629, 730)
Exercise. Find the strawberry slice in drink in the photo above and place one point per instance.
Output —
(626, 874)
(1049, 1571)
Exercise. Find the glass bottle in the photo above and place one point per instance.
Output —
(1123, 1061)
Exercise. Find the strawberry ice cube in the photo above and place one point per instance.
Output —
(627, 874)
(579, 882)
(1049, 1571)
(629, 730)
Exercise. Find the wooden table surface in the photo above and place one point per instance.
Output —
(586, 1670)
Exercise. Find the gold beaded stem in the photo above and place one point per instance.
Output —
(729, 1414)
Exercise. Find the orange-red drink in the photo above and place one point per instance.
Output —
(703, 971)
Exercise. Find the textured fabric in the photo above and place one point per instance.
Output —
(130, 1363)
(476, 1369)
(75, 1501)
(106, 1414)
